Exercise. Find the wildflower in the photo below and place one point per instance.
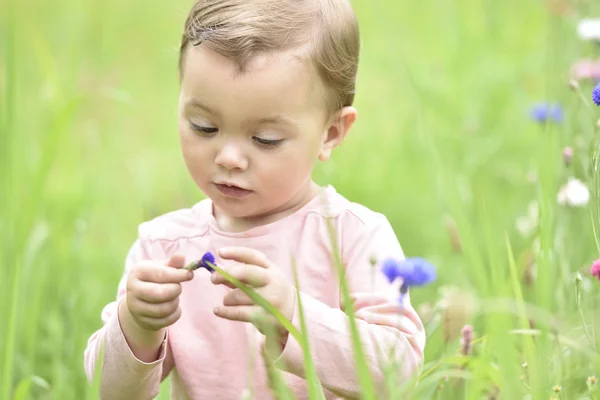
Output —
(585, 69)
(591, 382)
(527, 224)
(595, 270)
(589, 29)
(574, 194)
(453, 235)
(202, 263)
(557, 389)
(573, 85)
(567, 156)
(457, 306)
(530, 271)
(413, 272)
(596, 95)
(544, 112)
(465, 341)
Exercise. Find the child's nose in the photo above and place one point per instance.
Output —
(231, 157)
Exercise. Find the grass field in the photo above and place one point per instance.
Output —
(444, 146)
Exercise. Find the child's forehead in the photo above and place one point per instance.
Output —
(284, 77)
(293, 62)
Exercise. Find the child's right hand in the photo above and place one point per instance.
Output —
(153, 291)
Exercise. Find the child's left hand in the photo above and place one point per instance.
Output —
(257, 271)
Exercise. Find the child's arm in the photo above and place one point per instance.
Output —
(383, 324)
(134, 360)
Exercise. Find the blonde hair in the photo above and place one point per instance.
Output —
(241, 29)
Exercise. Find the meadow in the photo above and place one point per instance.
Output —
(445, 146)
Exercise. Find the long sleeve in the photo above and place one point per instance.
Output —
(383, 323)
(122, 375)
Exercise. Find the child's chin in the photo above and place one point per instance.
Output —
(235, 208)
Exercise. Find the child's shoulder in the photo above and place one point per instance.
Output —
(174, 225)
(362, 229)
(349, 212)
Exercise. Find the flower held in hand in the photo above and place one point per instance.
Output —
(202, 263)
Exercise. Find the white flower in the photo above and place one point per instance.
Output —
(526, 224)
(589, 29)
(574, 194)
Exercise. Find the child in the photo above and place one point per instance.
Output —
(267, 88)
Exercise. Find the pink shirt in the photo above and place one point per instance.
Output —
(213, 358)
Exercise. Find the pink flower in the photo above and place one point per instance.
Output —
(586, 69)
(465, 341)
(595, 270)
(567, 156)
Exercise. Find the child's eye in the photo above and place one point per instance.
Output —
(268, 143)
(204, 130)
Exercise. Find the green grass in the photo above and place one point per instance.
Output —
(89, 149)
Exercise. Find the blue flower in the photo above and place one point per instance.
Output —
(596, 95)
(208, 258)
(390, 269)
(203, 263)
(544, 112)
(413, 271)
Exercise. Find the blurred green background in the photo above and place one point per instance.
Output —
(444, 147)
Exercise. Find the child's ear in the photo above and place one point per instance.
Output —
(340, 124)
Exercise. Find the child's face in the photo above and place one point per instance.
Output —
(261, 130)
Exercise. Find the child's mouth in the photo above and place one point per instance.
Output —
(232, 191)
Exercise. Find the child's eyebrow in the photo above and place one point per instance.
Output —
(278, 119)
(195, 103)
(275, 119)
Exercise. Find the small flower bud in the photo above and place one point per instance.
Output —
(567, 155)
(465, 341)
(556, 389)
(595, 269)
(373, 261)
(453, 235)
(573, 84)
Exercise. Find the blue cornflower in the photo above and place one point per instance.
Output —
(203, 262)
(544, 112)
(596, 95)
(413, 271)
(390, 268)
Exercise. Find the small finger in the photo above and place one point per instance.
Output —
(156, 292)
(248, 274)
(162, 274)
(218, 279)
(245, 255)
(176, 261)
(237, 298)
(158, 323)
(157, 310)
(237, 313)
